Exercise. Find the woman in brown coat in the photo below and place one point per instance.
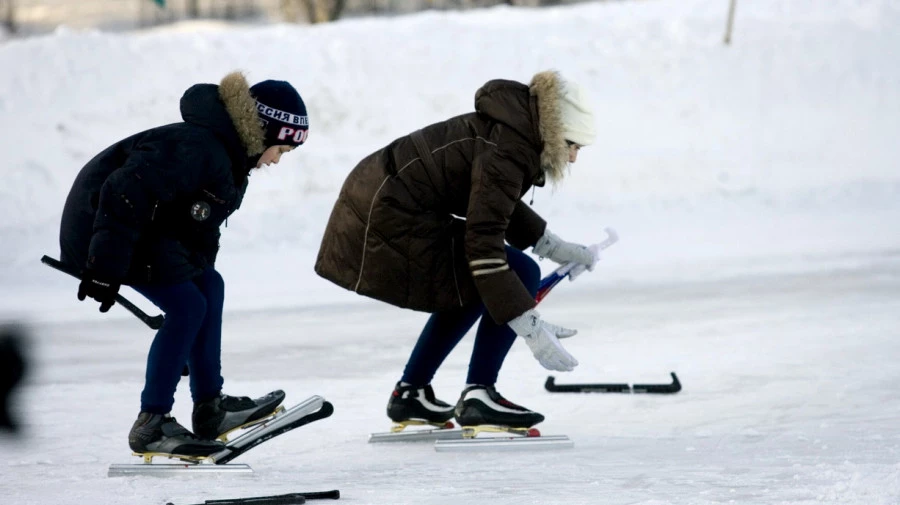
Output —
(424, 224)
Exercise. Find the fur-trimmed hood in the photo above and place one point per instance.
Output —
(534, 112)
(230, 111)
(234, 91)
(546, 88)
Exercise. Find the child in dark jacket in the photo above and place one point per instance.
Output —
(146, 212)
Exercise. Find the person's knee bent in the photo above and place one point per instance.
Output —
(189, 312)
(215, 284)
(532, 276)
(528, 271)
(212, 285)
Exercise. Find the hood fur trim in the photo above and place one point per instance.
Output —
(234, 90)
(546, 87)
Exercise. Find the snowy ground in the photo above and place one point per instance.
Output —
(755, 189)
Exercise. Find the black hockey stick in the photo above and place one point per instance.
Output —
(672, 388)
(664, 389)
(285, 499)
(154, 322)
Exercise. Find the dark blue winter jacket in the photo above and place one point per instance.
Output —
(147, 210)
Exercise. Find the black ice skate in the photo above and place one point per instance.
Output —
(160, 435)
(411, 405)
(218, 416)
(219, 460)
(482, 405)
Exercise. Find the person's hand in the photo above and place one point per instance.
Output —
(101, 290)
(562, 252)
(543, 340)
(580, 268)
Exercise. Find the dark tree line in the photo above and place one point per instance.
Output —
(14, 14)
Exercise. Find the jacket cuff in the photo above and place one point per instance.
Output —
(504, 296)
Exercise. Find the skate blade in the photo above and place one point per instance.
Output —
(163, 470)
(224, 436)
(474, 431)
(507, 443)
(312, 409)
(443, 431)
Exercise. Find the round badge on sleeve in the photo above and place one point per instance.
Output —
(200, 211)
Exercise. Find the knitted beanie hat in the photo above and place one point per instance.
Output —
(282, 113)
(576, 114)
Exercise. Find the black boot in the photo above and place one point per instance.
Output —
(417, 403)
(221, 414)
(161, 433)
(483, 405)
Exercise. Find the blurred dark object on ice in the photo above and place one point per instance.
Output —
(13, 366)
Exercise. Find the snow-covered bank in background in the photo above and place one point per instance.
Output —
(779, 149)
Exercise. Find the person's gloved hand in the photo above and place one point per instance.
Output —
(562, 252)
(543, 339)
(580, 268)
(99, 289)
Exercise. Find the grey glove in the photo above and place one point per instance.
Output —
(562, 252)
(543, 340)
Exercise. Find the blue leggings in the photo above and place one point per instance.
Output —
(492, 341)
(192, 334)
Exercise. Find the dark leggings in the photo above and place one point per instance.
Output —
(192, 334)
(492, 341)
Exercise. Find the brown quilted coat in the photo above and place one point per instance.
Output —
(421, 223)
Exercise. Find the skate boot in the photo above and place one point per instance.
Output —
(161, 434)
(409, 404)
(216, 417)
(483, 405)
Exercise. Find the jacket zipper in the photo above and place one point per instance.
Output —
(215, 198)
(453, 266)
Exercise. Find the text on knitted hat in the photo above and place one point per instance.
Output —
(280, 115)
(296, 134)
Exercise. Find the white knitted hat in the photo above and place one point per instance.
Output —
(576, 114)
